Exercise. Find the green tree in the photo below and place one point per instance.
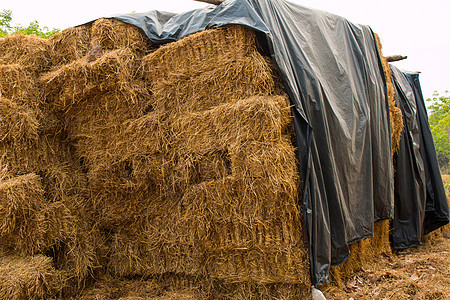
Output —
(5, 22)
(439, 120)
(33, 28)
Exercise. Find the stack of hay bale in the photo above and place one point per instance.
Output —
(149, 170)
(46, 242)
(173, 167)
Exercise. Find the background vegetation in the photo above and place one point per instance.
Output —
(439, 119)
(7, 28)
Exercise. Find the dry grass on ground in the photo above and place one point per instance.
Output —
(417, 273)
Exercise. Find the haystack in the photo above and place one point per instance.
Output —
(163, 170)
(43, 189)
(189, 160)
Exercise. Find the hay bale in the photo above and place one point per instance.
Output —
(29, 223)
(99, 128)
(250, 229)
(48, 156)
(227, 229)
(252, 291)
(113, 34)
(31, 277)
(18, 84)
(21, 198)
(208, 69)
(152, 288)
(260, 118)
(82, 256)
(70, 44)
(26, 50)
(79, 80)
(172, 286)
(197, 179)
(57, 221)
(18, 123)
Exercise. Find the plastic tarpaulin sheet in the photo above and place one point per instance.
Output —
(333, 75)
(420, 201)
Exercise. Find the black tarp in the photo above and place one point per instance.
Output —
(420, 201)
(333, 75)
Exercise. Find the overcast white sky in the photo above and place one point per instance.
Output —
(418, 29)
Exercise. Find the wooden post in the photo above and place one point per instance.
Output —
(395, 58)
(215, 2)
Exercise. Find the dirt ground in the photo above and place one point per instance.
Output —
(417, 273)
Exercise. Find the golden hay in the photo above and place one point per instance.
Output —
(21, 198)
(44, 156)
(207, 69)
(70, 44)
(99, 128)
(113, 34)
(31, 277)
(17, 123)
(82, 256)
(224, 229)
(250, 229)
(30, 224)
(251, 291)
(141, 158)
(262, 119)
(81, 79)
(394, 111)
(195, 177)
(26, 50)
(18, 84)
(175, 287)
(363, 254)
(56, 219)
(169, 287)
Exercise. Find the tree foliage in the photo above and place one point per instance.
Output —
(33, 28)
(439, 120)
